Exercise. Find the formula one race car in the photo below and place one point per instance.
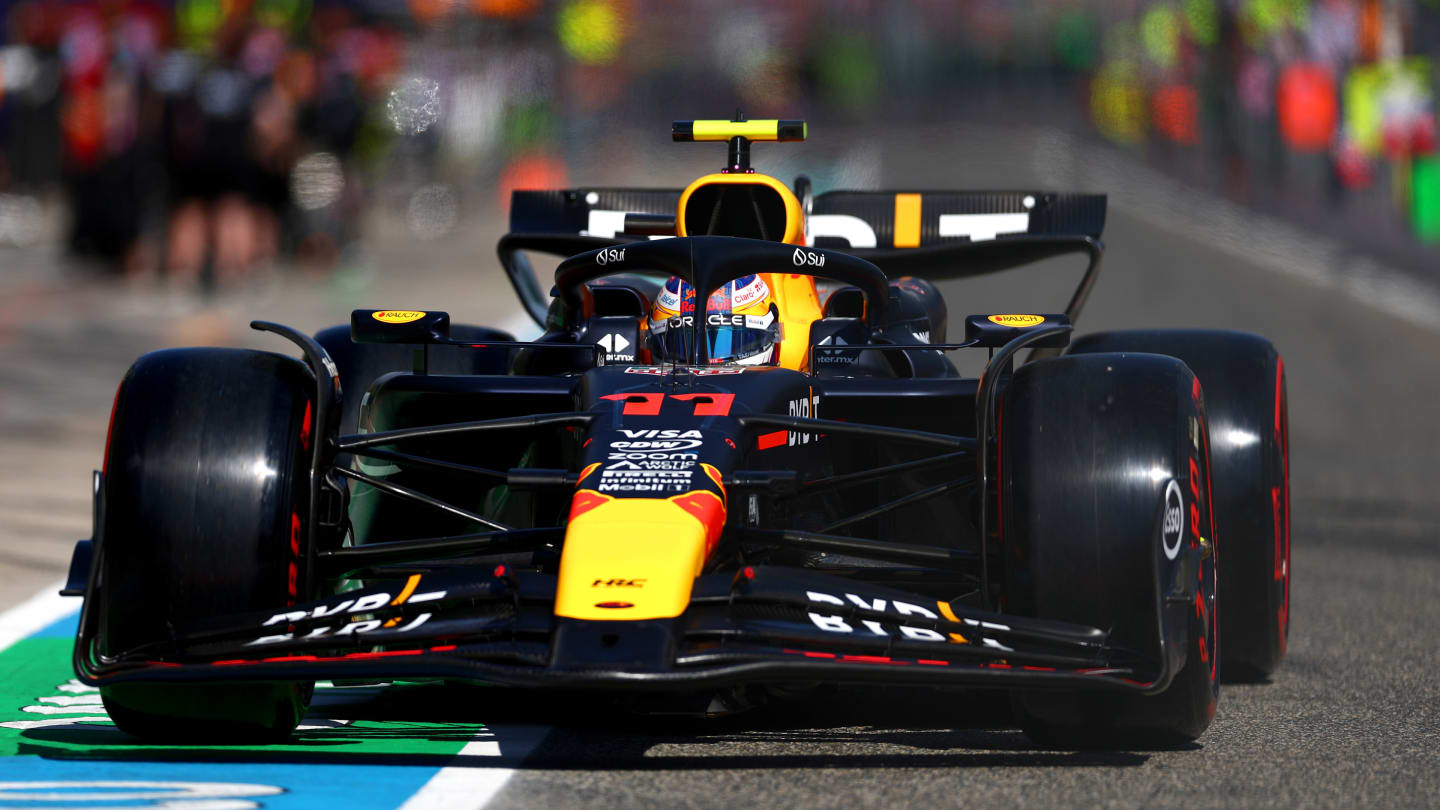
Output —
(739, 459)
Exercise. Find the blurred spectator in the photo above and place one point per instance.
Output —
(207, 138)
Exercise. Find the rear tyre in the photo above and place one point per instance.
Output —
(1244, 380)
(1091, 447)
(206, 491)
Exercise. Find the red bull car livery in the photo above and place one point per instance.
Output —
(740, 459)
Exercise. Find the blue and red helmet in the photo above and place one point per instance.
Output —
(742, 323)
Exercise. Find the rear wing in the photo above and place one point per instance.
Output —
(935, 235)
(882, 220)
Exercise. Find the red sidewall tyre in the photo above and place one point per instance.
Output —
(1244, 380)
(1091, 445)
(206, 492)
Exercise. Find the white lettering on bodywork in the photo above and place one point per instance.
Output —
(833, 624)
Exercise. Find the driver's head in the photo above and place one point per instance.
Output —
(742, 324)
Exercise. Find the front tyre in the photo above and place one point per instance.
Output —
(206, 493)
(1106, 497)
(1244, 380)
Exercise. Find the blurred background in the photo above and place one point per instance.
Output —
(201, 144)
(171, 169)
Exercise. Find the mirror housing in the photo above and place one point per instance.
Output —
(994, 331)
(399, 326)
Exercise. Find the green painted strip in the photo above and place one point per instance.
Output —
(44, 711)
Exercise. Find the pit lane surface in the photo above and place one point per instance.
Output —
(1350, 719)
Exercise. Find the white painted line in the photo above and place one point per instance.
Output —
(463, 784)
(322, 723)
(75, 687)
(59, 709)
(35, 614)
(154, 794)
(73, 700)
(467, 784)
(67, 723)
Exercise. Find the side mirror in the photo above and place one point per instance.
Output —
(994, 331)
(399, 326)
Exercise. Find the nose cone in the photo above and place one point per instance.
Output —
(635, 558)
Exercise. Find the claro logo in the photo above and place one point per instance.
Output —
(802, 258)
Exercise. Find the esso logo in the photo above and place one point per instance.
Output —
(802, 258)
(1173, 526)
(609, 255)
(397, 315)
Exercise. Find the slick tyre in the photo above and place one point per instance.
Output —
(360, 364)
(1244, 381)
(1095, 450)
(206, 491)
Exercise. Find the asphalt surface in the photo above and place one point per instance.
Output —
(1350, 719)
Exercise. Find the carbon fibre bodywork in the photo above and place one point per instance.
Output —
(834, 525)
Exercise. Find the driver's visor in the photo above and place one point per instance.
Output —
(728, 338)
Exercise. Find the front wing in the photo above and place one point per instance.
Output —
(761, 624)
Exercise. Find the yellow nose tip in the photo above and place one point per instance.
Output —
(630, 559)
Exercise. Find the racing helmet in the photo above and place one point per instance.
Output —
(742, 323)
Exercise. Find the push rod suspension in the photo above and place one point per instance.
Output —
(877, 549)
(343, 561)
(361, 440)
(419, 497)
(881, 472)
(421, 461)
(905, 500)
(803, 425)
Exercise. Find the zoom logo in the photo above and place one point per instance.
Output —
(1173, 527)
